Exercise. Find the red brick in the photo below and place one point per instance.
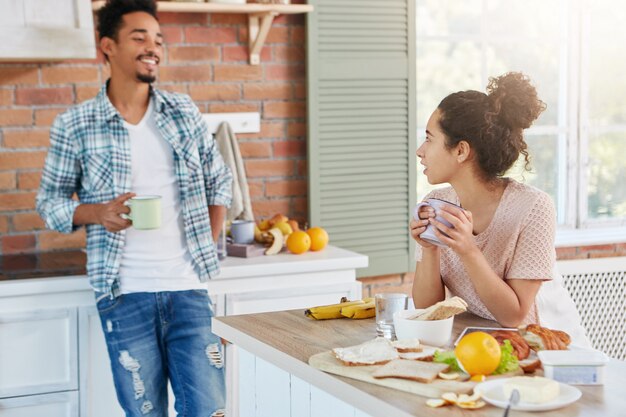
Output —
(41, 96)
(255, 149)
(290, 148)
(405, 288)
(7, 180)
(175, 88)
(241, 53)
(267, 208)
(185, 73)
(300, 207)
(17, 201)
(6, 97)
(18, 244)
(602, 254)
(286, 188)
(282, 53)
(285, 72)
(299, 91)
(296, 129)
(609, 247)
(16, 117)
(277, 34)
(55, 240)
(394, 279)
(17, 160)
(172, 34)
(69, 75)
(220, 35)
(566, 253)
(228, 19)
(171, 18)
(269, 168)
(216, 92)
(233, 108)
(238, 72)
(298, 35)
(18, 75)
(255, 188)
(284, 109)
(85, 93)
(268, 130)
(32, 138)
(24, 222)
(265, 91)
(193, 53)
(290, 19)
(45, 117)
(4, 224)
(29, 180)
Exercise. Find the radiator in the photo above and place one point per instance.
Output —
(598, 287)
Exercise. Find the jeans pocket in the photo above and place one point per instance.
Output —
(104, 302)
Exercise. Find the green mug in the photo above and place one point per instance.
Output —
(145, 212)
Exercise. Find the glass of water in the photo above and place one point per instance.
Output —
(386, 305)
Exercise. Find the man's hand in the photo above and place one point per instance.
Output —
(108, 214)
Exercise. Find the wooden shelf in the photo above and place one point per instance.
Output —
(260, 17)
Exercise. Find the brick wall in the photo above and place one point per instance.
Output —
(205, 57)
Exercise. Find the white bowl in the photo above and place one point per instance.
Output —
(429, 332)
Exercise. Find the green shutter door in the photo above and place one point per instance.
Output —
(361, 127)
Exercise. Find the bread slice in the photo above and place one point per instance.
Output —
(407, 345)
(373, 352)
(443, 309)
(413, 370)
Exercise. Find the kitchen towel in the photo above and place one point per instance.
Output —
(240, 208)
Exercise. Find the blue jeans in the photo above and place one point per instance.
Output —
(153, 337)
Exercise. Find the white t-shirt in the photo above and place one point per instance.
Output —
(156, 260)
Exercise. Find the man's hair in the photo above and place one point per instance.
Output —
(111, 14)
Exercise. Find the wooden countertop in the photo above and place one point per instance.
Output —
(287, 339)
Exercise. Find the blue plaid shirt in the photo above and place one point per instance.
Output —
(90, 155)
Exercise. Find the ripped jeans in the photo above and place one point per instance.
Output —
(153, 337)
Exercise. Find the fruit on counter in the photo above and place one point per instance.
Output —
(360, 311)
(294, 225)
(319, 238)
(283, 227)
(277, 218)
(277, 244)
(264, 225)
(298, 242)
(478, 353)
(331, 311)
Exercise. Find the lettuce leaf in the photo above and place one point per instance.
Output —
(447, 357)
(508, 361)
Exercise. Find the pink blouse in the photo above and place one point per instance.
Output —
(518, 244)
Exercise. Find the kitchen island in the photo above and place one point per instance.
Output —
(276, 380)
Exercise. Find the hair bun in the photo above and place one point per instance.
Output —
(514, 100)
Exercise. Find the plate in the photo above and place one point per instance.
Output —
(493, 393)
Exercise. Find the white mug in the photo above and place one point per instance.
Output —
(429, 234)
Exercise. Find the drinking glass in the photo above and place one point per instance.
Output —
(386, 305)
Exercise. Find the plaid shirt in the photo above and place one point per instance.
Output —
(90, 155)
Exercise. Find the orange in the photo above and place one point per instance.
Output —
(319, 238)
(478, 353)
(478, 378)
(298, 242)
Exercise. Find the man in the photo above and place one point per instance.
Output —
(133, 139)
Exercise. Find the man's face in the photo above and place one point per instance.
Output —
(138, 49)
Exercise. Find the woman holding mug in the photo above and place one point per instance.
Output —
(500, 248)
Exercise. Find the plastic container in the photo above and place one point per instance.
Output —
(575, 367)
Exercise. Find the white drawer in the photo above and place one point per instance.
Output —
(60, 404)
(38, 352)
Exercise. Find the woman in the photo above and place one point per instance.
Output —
(501, 247)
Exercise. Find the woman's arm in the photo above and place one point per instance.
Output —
(427, 285)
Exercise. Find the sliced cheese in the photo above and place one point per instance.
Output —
(536, 390)
(379, 350)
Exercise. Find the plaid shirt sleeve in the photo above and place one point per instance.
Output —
(59, 181)
(217, 175)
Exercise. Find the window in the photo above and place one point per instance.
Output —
(573, 52)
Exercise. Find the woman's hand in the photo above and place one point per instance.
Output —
(461, 236)
(417, 227)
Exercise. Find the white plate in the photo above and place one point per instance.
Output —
(493, 393)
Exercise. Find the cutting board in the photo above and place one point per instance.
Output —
(327, 362)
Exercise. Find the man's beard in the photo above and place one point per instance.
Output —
(146, 78)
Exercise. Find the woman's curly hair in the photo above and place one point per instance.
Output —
(493, 123)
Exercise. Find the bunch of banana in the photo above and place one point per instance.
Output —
(360, 311)
(335, 311)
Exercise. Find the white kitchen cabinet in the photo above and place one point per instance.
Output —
(52, 324)
(46, 30)
(60, 404)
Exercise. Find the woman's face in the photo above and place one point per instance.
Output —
(439, 162)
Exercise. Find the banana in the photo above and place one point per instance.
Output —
(332, 311)
(360, 311)
(277, 244)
